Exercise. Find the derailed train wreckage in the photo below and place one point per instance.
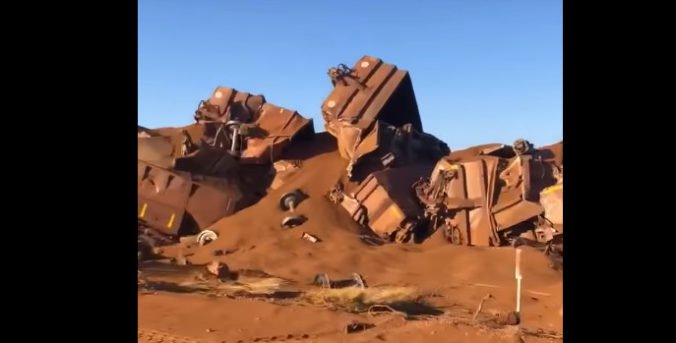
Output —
(485, 196)
(401, 183)
(191, 177)
(494, 198)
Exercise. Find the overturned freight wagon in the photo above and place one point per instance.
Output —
(173, 203)
(385, 204)
(192, 176)
(229, 104)
(373, 114)
(490, 200)
(371, 90)
(249, 128)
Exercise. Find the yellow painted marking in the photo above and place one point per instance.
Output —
(450, 167)
(171, 220)
(552, 189)
(388, 220)
(143, 210)
(396, 211)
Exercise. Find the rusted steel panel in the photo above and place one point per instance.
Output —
(212, 199)
(476, 222)
(518, 188)
(157, 150)
(552, 153)
(275, 128)
(551, 199)
(397, 183)
(346, 82)
(227, 103)
(492, 149)
(170, 141)
(385, 199)
(352, 142)
(384, 145)
(173, 203)
(485, 199)
(371, 90)
(209, 161)
(178, 151)
(162, 198)
(196, 131)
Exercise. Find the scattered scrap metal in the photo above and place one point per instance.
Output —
(401, 183)
(356, 326)
(310, 237)
(323, 280)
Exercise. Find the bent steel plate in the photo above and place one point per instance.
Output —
(276, 127)
(386, 198)
(225, 102)
(157, 150)
(551, 199)
(373, 90)
(172, 202)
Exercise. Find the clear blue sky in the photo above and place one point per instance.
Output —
(483, 70)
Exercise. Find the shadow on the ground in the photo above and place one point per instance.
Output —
(412, 308)
(165, 286)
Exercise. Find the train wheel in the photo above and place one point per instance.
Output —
(454, 235)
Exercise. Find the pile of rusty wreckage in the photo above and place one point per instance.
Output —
(401, 183)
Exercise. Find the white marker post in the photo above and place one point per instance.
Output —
(517, 276)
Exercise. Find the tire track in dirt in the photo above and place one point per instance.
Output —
(154, 336)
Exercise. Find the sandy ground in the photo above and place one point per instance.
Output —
(455, 279)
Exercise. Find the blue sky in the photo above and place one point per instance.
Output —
(483, 71)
